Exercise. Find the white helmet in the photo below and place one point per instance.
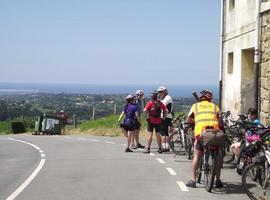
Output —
(161, 89)
(129, 97)
(139, 92)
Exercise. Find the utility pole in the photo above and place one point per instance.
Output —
(75, 121)
(94, 114)
(114, 109)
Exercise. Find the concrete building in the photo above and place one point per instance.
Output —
(245, 57)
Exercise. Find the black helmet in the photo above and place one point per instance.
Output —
(206, 95)
(154, 94)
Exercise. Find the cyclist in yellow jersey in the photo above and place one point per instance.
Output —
(203, 114)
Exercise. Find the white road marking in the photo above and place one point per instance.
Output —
(171, 171)
(36, 147)
(151, 154)
(41, 151)
(109, 142)
(123, 145)
(42, 155)
(160, 160)
(28, 180)
(67, 137)
(182, 186)
(81, 138)
(94, 140)
(32, 176)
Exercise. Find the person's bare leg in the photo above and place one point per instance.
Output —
(218, 166)
(136, 136)
(130, 133)
(195, 162)
(158, 139)
(124, 132)
(132, 138)
(149, 141)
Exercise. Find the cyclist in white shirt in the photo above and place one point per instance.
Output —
(166, 125)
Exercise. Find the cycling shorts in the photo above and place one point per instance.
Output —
(137, 124)
(151, 127)
(199, 145)
(164, 131)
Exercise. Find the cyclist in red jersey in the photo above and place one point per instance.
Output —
(152, 111)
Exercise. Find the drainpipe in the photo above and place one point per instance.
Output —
(221, 54)
(257, 57)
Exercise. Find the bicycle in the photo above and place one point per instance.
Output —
(176, 142)
(181, 140)
(256, 176)
(208, 165)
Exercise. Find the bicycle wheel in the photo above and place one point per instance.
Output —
(175, 143)
(209, 171)
(189, 147)
(252, 180)
(266, 183)
(228, 155)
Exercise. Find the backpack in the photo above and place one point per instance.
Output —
(156, 110)
(212, 137)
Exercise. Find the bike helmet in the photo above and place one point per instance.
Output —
(206, 95)
(130, 97)
(162, 88)
(154, 94)
(139, 92)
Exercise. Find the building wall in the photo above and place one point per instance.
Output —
(238, 36)
(265, 68)
(238, 68)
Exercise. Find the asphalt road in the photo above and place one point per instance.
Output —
(85, 167)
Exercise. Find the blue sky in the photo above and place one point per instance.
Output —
(110, 41)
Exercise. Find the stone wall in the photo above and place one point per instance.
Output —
(265, 69)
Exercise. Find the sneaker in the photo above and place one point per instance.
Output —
(128, 150)
(219, 184)
(191, 184)
(147, 150)
(140, 146)
(133, 146)
(164, 150)
(159, 150)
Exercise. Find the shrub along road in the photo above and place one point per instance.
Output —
(86, 167)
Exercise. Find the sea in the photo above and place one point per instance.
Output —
(31, 88)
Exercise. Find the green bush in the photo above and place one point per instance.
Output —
(17, 127)
(29, 124)
(5, 128)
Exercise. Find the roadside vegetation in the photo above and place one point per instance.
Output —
(106, 126)
(28, 123)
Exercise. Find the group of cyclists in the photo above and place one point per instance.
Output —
(204, 115)
(158, 112)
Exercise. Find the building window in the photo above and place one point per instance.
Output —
(230, 63)
(231, 4)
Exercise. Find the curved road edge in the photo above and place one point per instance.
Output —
(34, 173)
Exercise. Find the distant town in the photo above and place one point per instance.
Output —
(31, 105)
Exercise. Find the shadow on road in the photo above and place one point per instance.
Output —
(233, 188)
